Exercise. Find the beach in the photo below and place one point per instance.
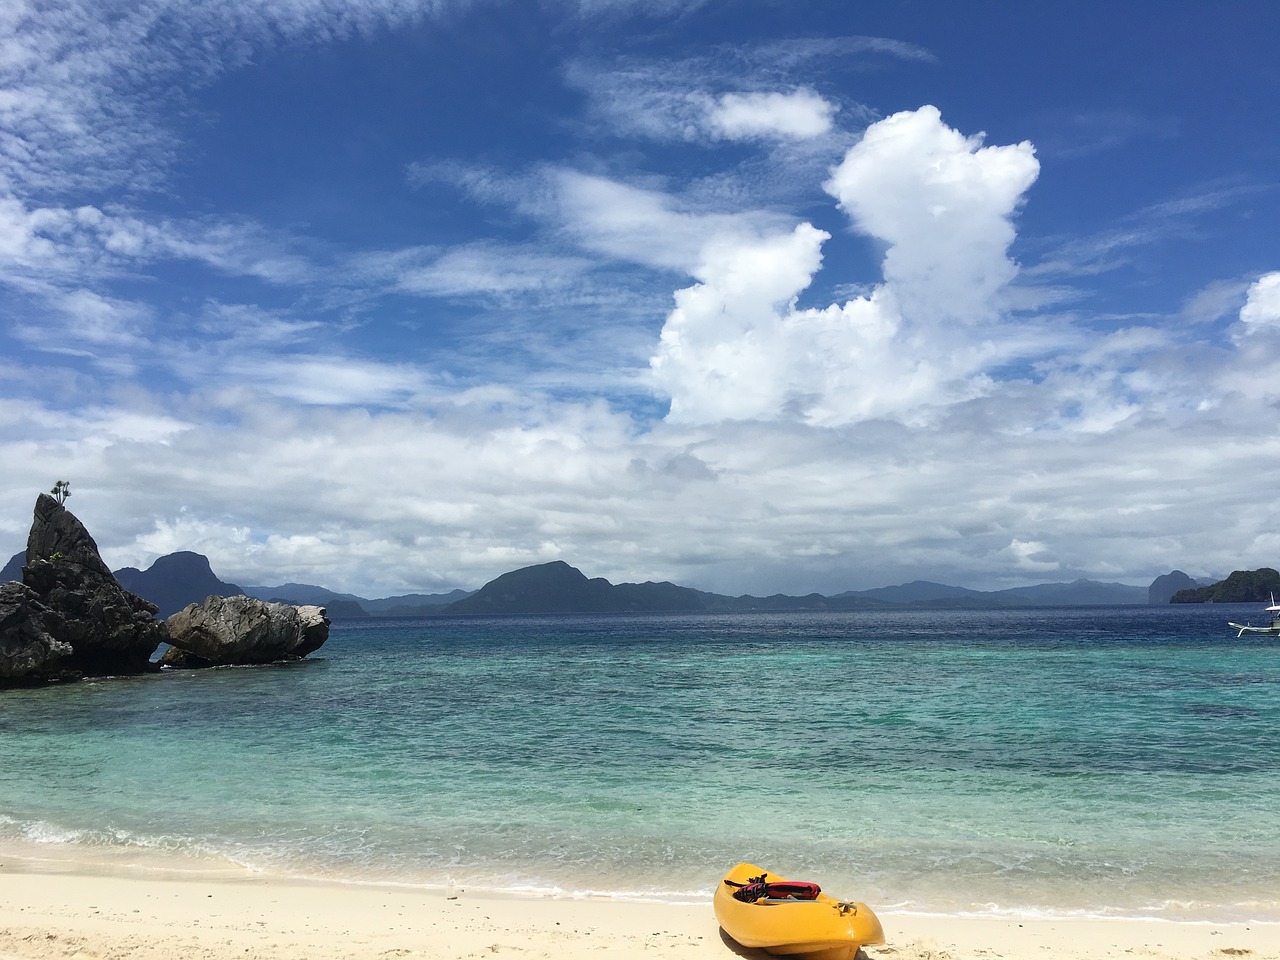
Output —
(1011, 785)
(67, 909)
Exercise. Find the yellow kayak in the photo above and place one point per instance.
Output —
(823, 928)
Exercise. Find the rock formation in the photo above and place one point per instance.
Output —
(30, 650)
(108, 629)
(242, 630)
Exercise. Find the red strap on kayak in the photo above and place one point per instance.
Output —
(758, 888)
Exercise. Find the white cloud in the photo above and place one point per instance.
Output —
(801, 114)
(44, 245)
(732, 90)
(86, 321)
(724, 353)
(1031, 555)
(737, 346)
(398, 500)
(83, 83)
(646, 226)
(317, 379)
(944, 205)
(1215, 301)
(1262, 306)
(490, 269)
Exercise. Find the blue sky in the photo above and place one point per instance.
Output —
(397, 296)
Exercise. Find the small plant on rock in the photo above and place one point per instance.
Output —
(61, 490)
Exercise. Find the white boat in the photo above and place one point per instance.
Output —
(1271, 631)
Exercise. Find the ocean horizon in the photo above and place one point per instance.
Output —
(1100, 762)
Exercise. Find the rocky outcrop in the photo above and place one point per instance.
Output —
(242, 630)
(109, 630)
(30, 650)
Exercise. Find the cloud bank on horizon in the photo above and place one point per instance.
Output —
(396, 296)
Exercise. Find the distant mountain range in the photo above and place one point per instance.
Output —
(349, 605)
(557, 588)
(177, 579)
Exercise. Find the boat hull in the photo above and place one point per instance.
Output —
(821, 929)
(1272, 631)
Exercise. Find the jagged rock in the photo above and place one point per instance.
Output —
(30, 651)
(242, 630)
(110, 630)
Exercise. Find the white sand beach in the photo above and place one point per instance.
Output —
(66, 909)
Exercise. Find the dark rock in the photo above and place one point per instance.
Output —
(30, 651)
(110, 630)
(242, 630)
(175, 580)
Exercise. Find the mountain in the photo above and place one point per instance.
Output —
(557, 587)
(1243, 586)
(174, 581)
(1078, 593)
(779, 601)
(1164, 587)
(339, 605)
(918, 592)
(414, 604)
(13, 569)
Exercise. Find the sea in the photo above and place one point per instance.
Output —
(1064, 762)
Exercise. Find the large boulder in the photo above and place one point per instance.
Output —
(241, 630)
(109, 629)
(30, 651)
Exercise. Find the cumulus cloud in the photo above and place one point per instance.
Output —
(943, 206)
(1262, 306)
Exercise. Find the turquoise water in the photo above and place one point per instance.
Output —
(1108, 762)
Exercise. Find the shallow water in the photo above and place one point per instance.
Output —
(1106, 761)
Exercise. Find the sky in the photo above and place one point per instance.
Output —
(754, 296)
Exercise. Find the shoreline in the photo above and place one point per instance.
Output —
(163, 863)
(63, 907)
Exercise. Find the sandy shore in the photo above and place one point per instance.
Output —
(70, 910)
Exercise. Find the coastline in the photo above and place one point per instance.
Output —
(60, 907)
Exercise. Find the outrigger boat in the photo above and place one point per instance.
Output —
(1272, 631)
(792, 918)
